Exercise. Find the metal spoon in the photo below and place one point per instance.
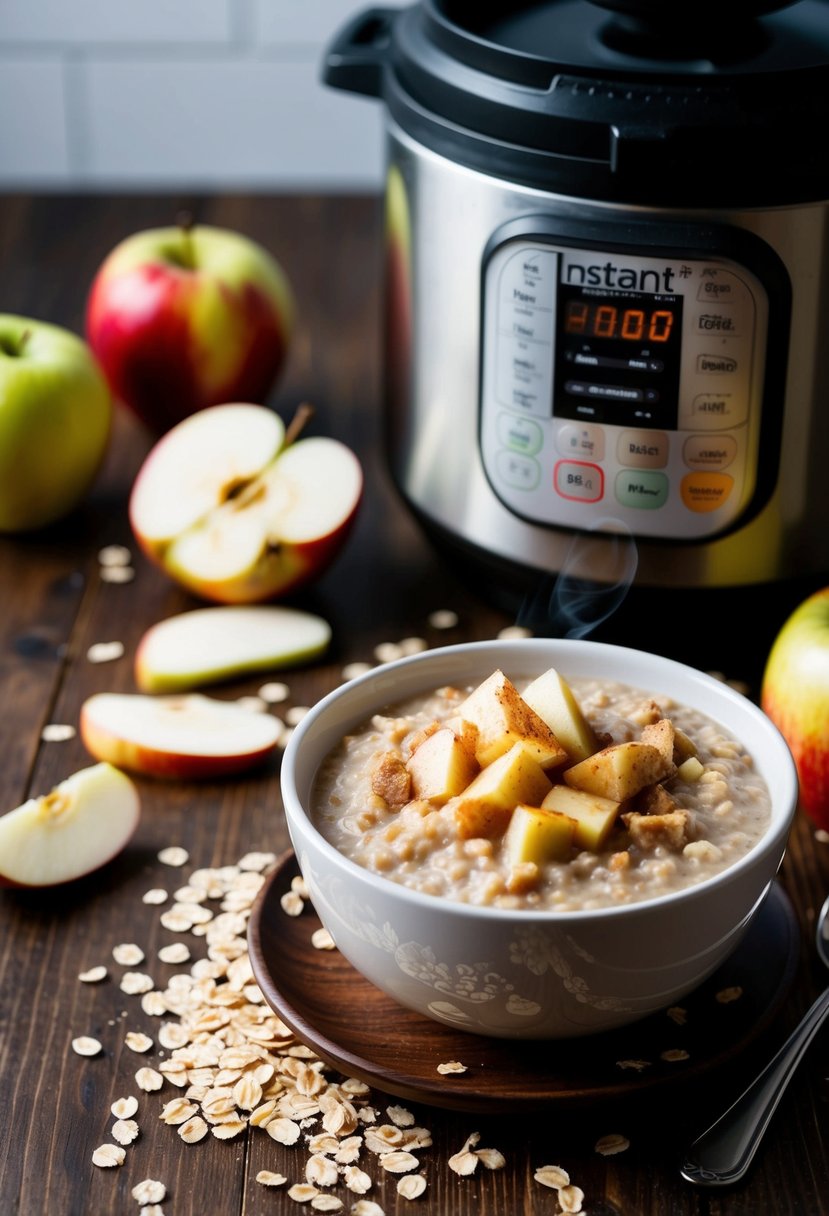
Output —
(723, 1153)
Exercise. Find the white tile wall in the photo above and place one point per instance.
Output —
(176, 94)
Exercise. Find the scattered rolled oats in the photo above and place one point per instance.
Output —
(228, 1129)
(638, 1065)
(352, 670)
(292, 904)
(610, 1145)
(174, 855)
(256, 862)
(193, 1130)
(320, 1171)
(398, 1161)
(93, 976)
(553, 1176)
(357, 1180)
(367, 1207)
(451, 1066)
(327, 1203)
(178, 1110)
(156, 895)
(148, 1079)
(570, 1198)
(514, 631)
(128, 954)
(176, 952)
(85, 1045)
(124, 1131)
(57, 732)
(321, 939)
(153, 1209)
(413, 645)
(124, 1108)
(154, 1004)
(675, 1055)
(465, 1162)
(726, 995)
(269, 1178)
(136, 1041)
(114, 555)
(303, 1192)
(136, 982)
(387, 652)
(296, 713)
(412, 1186)
(443, 618)
(117, 574)
(105, 652)
(822, 836)
(491, 1158)
(284, 1131)
(149, 1191)
(274, 691)
(399, 1116)
(677, 1014)
(108, 1155)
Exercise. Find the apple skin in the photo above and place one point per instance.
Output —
(55, 419)
(181, 319)
(795, 695)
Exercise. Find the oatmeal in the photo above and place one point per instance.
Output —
(551, 794)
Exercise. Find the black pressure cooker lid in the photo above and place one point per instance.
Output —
(672, 102)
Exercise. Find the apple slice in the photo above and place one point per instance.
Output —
(188, 737)
(250, 528)
(82, 824)
(207, 645)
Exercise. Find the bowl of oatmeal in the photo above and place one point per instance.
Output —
(537, 838)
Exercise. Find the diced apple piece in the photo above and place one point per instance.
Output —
(441, 767)
(538, 835)
(594, 816)
(503, 718)
(662, 736)
(485, 806)
(690, 769)
(185, 737)
(83, 823)
(619, 771)
(671, 831)
(552, 699)
(684, 747)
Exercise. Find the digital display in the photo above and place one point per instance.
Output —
(617, 356)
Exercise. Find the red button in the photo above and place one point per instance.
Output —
(578, 480)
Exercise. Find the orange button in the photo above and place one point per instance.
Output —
(705, 491)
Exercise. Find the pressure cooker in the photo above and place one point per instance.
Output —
(606, 283)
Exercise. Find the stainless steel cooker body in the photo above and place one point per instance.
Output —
(454, 454)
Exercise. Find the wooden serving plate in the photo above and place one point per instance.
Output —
(360, 1031)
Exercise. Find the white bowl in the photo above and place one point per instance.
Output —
(532, 974)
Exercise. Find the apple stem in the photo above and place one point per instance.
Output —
(184, 220)
(15, 346)
(297, 423)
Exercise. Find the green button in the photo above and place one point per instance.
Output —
(519, 434)
(642, 489)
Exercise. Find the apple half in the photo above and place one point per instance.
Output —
(208, 645)
(80, 825)
(235, 512)
(187, 737)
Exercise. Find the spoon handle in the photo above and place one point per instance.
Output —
(723, 1153)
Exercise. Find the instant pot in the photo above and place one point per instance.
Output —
(607, 359)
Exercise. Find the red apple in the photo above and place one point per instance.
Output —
(83, 823)
(184, 318)
(795, 695)
(187, 737)
(237, 513)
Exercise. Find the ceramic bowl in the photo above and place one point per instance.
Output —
(532, 974)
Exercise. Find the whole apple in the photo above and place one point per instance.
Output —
(55, 416)
(795, 695)
(184, 318)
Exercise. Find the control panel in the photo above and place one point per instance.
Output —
(621, 389)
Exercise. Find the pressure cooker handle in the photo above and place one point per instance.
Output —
(355, 59)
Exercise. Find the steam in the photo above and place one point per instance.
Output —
(595, 577)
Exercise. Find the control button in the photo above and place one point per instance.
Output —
(519, 434)
(528, 281)
(581, 439)
(613, 392)
(724, 365)
(643, 449)
(705, 491)
(579, 480)
(720, 287)
(709, 451)
(715, 411)
(717, 323)
(643, 490)
(519, 472)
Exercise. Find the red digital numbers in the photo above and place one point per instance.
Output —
(607, 321)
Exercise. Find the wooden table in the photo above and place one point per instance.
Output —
(54, 1104)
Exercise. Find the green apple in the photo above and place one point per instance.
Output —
(55, 415)
(795, 695)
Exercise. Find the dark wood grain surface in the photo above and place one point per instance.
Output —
(54, 1105)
